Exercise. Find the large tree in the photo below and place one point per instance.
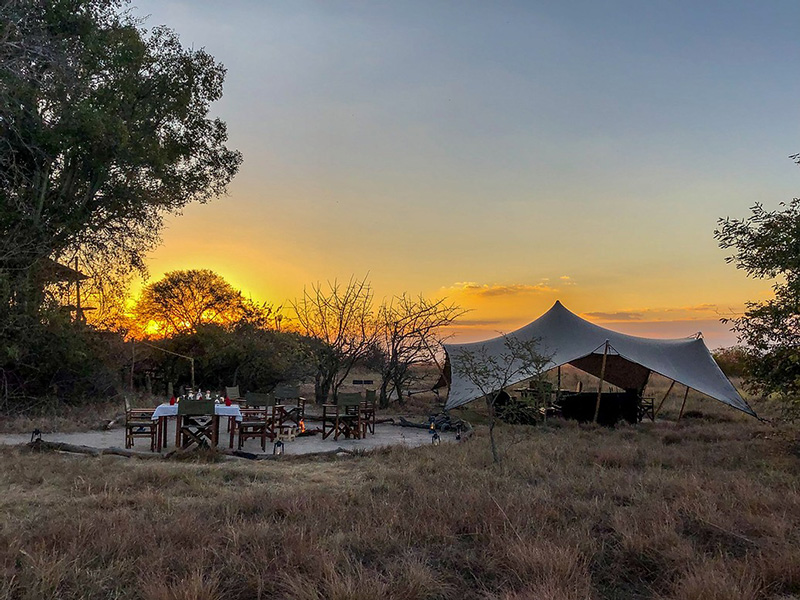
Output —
(767, 246)
(104, 129)
(183, 301)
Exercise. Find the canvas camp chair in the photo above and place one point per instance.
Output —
(197, 423)
(232, 392)
(259, 399)
(139, 423)
(368, 409)
(294, 404)
(343, 418)
(256, 423)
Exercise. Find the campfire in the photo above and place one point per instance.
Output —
(302, 431)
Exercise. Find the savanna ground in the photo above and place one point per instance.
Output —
(707, 508)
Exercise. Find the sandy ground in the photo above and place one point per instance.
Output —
(385, 435)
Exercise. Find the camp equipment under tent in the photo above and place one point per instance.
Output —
(622, 360)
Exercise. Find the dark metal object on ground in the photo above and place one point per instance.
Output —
(613, 407)
(440, 422)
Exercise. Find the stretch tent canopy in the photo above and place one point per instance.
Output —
(568, 339)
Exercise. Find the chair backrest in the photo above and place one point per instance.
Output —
(259, 399)
(191, 406)
(349, 399)
(232, 392)
(258, 414)
(287, 392)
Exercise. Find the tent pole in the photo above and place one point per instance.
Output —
(78, 311)
(558, 389)
(602, 378)
(133, 358)
(685, 395)
(660, 404)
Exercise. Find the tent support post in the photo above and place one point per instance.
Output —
(685, 395)
(602, 378)
(133, 358)
(558, 389)
(660, 404)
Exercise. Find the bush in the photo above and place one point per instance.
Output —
(53, 357)
(733, 360)
(255, 359)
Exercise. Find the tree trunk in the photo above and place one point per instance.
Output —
(322, 387)
(398, 388)
(492, 442)
(384, 396)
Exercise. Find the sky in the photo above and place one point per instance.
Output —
(501, 154)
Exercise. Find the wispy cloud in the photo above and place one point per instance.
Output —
(662, 313)
(486, 290)
(615, 316)
(462, 323)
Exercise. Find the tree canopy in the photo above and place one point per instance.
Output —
(105, 128)
(183, 301)
(767, 246)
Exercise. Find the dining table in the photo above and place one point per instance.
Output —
(197, 429)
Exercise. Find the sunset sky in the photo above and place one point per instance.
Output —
(504, 154)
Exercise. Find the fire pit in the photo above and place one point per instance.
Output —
(303, 431)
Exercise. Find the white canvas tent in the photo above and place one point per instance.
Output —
(568, 339)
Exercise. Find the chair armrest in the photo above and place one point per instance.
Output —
(141, 412)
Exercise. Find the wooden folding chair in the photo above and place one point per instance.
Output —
(368, 409)
(256, 423)
(294, 404)
(197, 422)
(232, 392)
(343, 418)
(139, 423)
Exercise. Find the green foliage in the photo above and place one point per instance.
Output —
(767, 246)
(243, 354)
(52, 357)
(105, 128)
(733, 360)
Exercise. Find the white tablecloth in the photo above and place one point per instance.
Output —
(171, 410)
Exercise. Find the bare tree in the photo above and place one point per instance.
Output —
(410, 335)
(492, 373)
(341, 317)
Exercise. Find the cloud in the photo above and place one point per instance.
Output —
(616, 316)
(487, 291)
(567, 280)
(476, 323)
(655, 314)
(702, 308)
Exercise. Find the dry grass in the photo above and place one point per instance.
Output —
(700, 510)
(57, 416)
